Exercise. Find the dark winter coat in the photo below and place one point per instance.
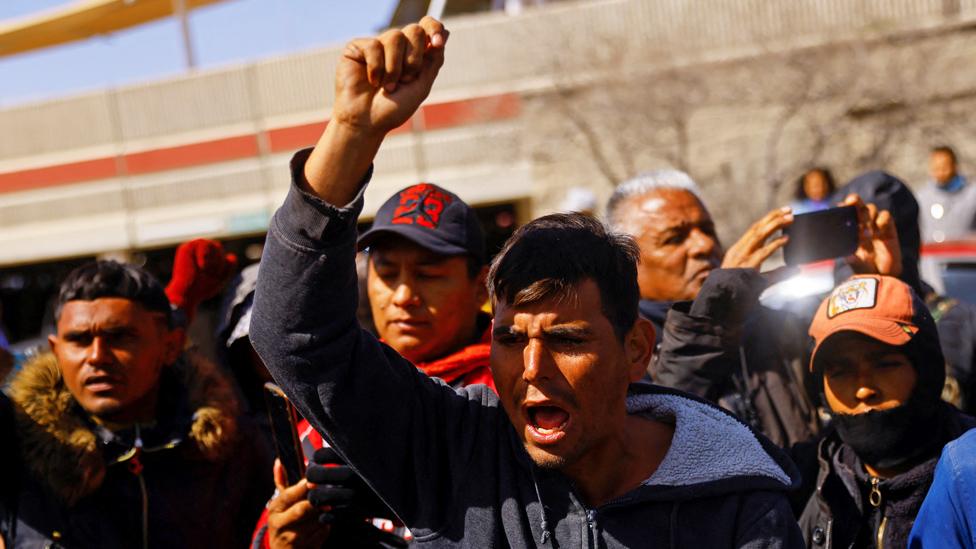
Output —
(842, 512)
(449, 462)
(956, 322)
(197, 480)
(726, 348)
(656, 312)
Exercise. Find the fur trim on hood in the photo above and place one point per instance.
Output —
(60, 446)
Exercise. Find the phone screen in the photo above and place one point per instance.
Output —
(284, 429)
(816, 236)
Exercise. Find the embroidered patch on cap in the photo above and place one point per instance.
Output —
(858, 293)
(422, 205)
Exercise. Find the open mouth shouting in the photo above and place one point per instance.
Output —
(545, 422)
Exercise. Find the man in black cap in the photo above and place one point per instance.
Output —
(426, 282)
(426, 287)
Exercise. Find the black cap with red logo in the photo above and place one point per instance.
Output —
(432, 217)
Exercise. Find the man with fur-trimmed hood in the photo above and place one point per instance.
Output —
(125, 440)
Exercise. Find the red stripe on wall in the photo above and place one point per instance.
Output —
(50, 176)
(206, 152)
(438, 116)
(295, 137)
(471, 111)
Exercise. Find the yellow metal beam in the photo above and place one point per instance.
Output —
(80, 20)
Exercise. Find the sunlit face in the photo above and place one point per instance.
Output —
(942, 167)
(678, 244)
(815, 185)
(562, 374)
(111, 352)
(424, 305)
(863, 374)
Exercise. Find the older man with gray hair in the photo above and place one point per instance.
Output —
(717, 342)
(678, 244)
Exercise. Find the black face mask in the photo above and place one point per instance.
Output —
(892, 438)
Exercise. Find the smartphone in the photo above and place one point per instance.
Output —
(816, 236)
(284, 429)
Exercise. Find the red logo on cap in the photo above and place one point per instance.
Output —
(421, 205)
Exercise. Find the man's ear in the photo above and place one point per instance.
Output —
(639, 345)
(52, 341)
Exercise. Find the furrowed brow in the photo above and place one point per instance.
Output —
(75, 335)
(118, 331)
(677, 226)
(568, 331)
(501, 331)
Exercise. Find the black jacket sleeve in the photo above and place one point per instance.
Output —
(700, 348)
(413, 439)
(767, 523)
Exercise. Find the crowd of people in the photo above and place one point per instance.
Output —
(626, 389)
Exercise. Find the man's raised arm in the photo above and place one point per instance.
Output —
(394, 425)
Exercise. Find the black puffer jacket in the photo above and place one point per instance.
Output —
(197, 481)
(842, 511)
(750, 359)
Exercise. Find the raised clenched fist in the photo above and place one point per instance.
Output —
(381, 81)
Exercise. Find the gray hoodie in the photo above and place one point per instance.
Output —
(449, 462)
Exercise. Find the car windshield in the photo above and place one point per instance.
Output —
(960, 281)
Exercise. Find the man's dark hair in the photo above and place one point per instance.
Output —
(828, 178)
(550, 256)
(112, 279)
(946, 149)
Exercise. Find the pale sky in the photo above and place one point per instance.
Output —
(223, 34)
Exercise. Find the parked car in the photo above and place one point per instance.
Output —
(949, 267)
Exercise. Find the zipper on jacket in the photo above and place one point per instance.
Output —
(135, 467)
(591, 523)
(875, 499)
(145, 509)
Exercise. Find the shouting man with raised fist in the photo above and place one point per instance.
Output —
(571, 452)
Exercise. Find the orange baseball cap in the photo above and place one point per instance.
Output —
(880, 307)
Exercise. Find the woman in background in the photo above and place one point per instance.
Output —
(813, 191)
